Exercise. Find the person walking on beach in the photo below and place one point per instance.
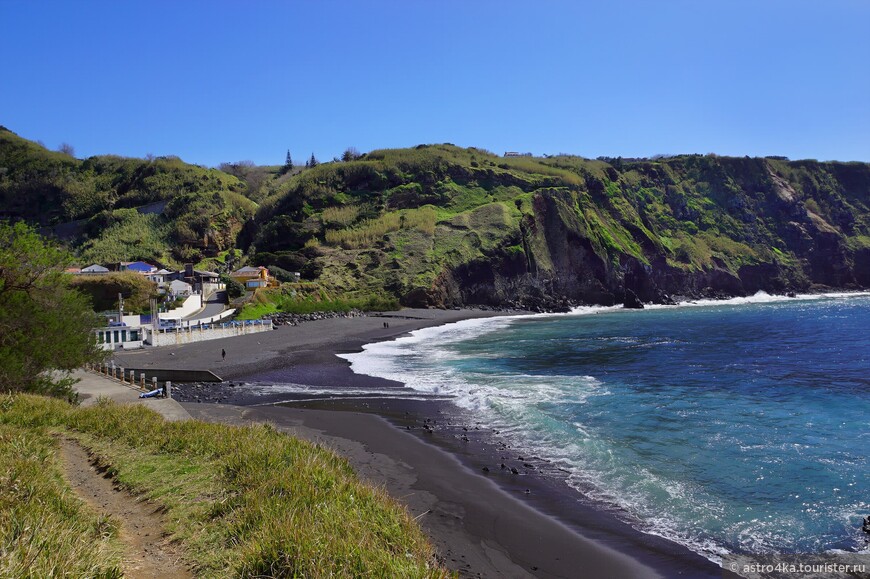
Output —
(223, 354)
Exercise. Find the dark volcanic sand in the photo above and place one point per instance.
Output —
(482, 523)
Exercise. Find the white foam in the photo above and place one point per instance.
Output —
(371, 360)
(507, 402)
(315, 391)
(761, 297)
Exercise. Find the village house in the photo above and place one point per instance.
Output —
(178, 288)
(137, 266)
(94, 269)
(202, 281)
(253, 277)
(161, 277)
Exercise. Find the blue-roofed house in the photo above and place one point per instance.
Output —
(138, 266)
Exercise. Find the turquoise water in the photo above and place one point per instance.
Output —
(737, 426)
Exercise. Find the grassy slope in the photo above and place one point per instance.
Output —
(396, 220)
(204, 208)
(242, 501)
(413, 211)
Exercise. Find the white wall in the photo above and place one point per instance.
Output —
(133, 319)
(191, 304)
(189, 335)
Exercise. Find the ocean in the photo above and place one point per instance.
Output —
(737, 426)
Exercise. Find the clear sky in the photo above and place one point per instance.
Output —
(246, 80)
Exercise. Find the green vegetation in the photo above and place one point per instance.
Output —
(342, 215)
(306, 298)
(103, 291)
(46, 327)
(126, 235)
(257, 310)
(113, 208)
(45, 531)
(223, 262)
(240, 501)
(442, 225)
(235, 289)
(371, 231)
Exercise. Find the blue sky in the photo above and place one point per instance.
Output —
(228, 81)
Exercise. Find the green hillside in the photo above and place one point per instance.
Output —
(440, 225)
(443, 226)
(113, 208)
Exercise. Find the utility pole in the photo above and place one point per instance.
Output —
(120, 309)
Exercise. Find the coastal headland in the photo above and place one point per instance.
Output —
(481, 525)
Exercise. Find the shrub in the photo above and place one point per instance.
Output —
(234, 288)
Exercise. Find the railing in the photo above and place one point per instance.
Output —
(183, 335)
(129, 378)
(214, 326)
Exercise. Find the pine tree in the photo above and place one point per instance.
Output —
(312, 162)
(288, 163)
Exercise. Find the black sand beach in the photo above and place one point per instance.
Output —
(482, 523)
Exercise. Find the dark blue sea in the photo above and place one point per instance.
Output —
(731, 427)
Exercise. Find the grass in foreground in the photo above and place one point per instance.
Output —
(45, 530)
(243, 501)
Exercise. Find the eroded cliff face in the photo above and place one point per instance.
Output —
(664, 232)
(444, 226)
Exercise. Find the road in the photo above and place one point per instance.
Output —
(215, 305)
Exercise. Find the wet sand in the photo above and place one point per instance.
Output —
(289, 346)
(482, 523)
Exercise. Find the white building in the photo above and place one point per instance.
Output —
(126, 334)
(180, 288)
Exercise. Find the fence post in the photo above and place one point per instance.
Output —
(167, 389)
(142, 380)
(154, 382)
(122, 375)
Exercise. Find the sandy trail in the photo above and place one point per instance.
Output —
(148, 553)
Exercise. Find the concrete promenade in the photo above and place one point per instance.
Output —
(91, 386)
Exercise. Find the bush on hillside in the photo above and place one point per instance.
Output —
(103, 290)
(234, 288)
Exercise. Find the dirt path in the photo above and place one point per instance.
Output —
(148, 553)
